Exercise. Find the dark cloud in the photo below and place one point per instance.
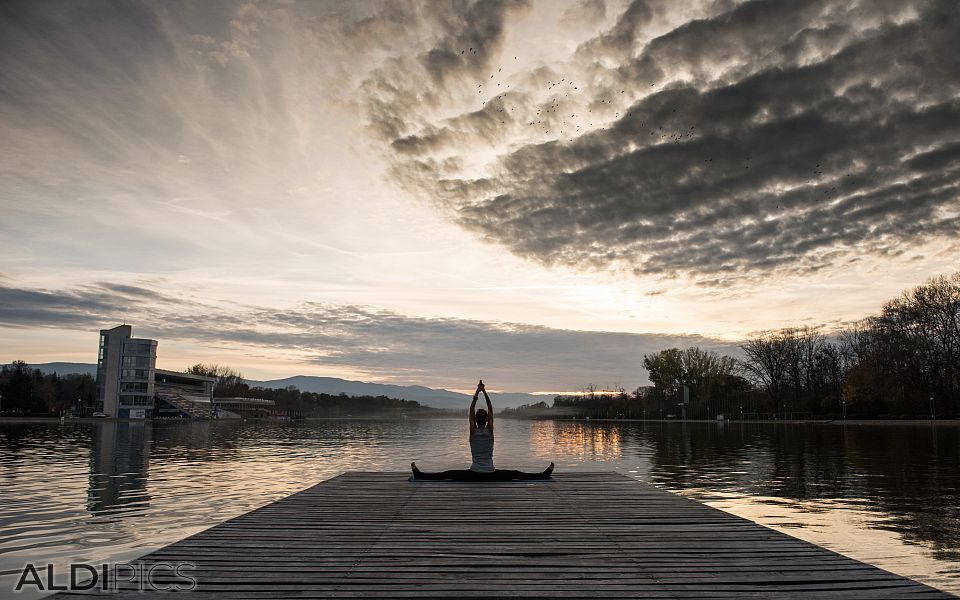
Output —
(391, 346)
(137, 293)
(942, 157)
(22, 307)
(467, 38)
(751, 139)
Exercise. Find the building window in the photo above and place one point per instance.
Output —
(133, 387)
(134, 374)
(138, 362)
(139, 400)
(138, 348)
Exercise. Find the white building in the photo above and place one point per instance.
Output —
(126, 369)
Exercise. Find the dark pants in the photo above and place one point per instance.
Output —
(468, 475)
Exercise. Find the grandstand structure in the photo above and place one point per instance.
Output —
(184, 395)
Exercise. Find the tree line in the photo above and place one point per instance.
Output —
(28, 391)
(591, 402)
(24, 390)
(901, 363)
(292, 401)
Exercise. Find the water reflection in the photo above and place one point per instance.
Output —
(119, 468)
(112, 491)
(577, 441)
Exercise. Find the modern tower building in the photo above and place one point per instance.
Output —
(126, 368)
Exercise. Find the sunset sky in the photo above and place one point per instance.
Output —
(532, 193)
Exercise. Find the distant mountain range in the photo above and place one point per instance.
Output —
(427, 396)
(333, 385)
(65, 368)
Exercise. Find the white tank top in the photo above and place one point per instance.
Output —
(481, 447)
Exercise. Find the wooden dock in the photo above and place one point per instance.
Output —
(581, 535)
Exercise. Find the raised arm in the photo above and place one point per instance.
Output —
(489, 407)
(473, 410)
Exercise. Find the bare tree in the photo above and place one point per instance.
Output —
(768, 364)
(907, 358)
(229, 383)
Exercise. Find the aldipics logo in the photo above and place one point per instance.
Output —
(159, 576)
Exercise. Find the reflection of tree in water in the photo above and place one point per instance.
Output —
(913, 473)
(910, 473)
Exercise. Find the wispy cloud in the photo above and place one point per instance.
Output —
(384, 345)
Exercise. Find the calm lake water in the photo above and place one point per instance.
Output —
(105, 492)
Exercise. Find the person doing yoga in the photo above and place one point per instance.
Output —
(481, 447)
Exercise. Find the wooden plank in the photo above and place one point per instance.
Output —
(581, 535)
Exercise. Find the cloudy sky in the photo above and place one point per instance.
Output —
(533, 192)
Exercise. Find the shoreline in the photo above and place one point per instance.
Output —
(833, 422)
(951, 422)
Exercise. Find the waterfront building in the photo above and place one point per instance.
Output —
(130, 386)
(126, 369)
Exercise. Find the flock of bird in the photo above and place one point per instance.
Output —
(566, 88)
(543, 122)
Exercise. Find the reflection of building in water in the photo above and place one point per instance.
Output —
(125, 369)
(119, 462)
(577, 439)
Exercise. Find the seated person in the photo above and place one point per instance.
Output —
(481, 447)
